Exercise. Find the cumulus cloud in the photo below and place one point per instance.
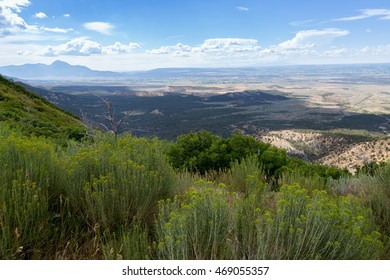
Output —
(15, 5)
(78, 47)
(66, 15)
(368, 13)
(119, 48)
(85, 47)
(176, 50)
(10, 21)
(101, 27)
(305, 45)
(376, 50)
(228, 46)
(216, 47)
(307, 39)
(40, 15)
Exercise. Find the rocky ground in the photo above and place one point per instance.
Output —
(343, 151)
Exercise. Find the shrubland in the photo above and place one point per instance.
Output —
(200, 197)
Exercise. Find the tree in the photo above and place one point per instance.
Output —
(204, 151)
(114, 125)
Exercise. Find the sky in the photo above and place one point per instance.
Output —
(131, 35)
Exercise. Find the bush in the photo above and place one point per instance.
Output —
(196, 226)
(24, 220)
(203, 152)
(317, 227)
(117, 181)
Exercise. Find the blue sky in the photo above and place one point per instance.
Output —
(128, 35)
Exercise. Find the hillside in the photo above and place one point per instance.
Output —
(34, 114)
(340, 148)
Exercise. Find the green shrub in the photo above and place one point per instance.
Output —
(236, 177)
(202, 152)
(198, 226)
(317, 227)
(24, 220)
(115, 182)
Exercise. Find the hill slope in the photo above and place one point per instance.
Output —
(35, 115)
(340, 148)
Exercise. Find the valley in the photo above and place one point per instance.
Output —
(127, 190)
(290, 107)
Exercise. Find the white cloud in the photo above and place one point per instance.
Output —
(307, 39)
(101, 27)
(216, 47)
(119, 48)
(382, 50)
(176, 50)
(66, 15)
(57, 30)
(40, 15)
(229, 46)
(15, 5)
(336, 52)
(77, 47)
(242, 9)
(367, 13)
(161, 50)
(10, 21)
(85, 47)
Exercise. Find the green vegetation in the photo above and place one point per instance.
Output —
(201, 197)
(55, 202)
(204, 152)
(120, 198)
(35, 115)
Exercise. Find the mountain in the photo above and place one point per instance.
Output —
(35, 115)
(58, 70)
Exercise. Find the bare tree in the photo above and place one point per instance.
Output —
(109, 116)
(114, 125)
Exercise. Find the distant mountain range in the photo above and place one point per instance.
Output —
(58, 70)
(62, 71)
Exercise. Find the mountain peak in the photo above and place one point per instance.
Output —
(60, 63)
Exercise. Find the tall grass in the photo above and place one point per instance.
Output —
(132, 243)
